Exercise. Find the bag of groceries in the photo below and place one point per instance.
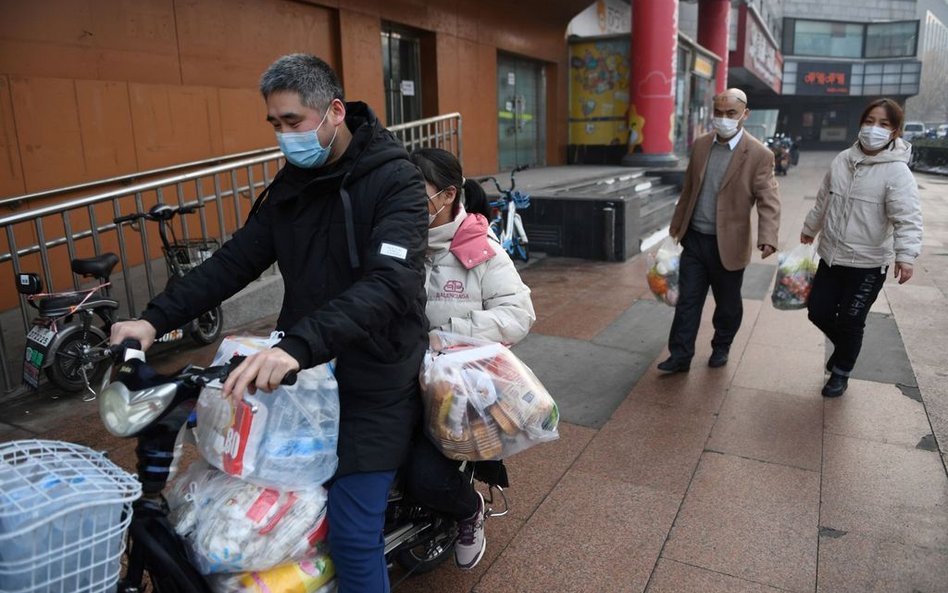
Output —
(285, 439)
(795, 272)
(481, 402)
(663, 271)
(313, 575)
(231, 525)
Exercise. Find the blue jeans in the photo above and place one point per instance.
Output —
(356, 513)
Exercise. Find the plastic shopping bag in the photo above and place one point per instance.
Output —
(306, 576)
(795, 272)
(663, 271)
(481, 402)
(285, 439)
(231, 525)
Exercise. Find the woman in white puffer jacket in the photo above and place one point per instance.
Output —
(867, 213)
(473, 289)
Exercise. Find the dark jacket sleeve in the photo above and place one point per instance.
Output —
(393, 269)
(237, 263)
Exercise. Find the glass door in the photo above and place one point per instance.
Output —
(521, 112)
(401, 68)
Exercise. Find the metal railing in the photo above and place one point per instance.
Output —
(83, 226)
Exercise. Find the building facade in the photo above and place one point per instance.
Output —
(832, 62)
(95, 89)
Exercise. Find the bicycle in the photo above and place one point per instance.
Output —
(181, 257)
(506, 224)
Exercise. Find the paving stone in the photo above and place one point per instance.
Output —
(851, 563)
(675, 577)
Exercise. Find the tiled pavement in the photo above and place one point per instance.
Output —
(730, 480)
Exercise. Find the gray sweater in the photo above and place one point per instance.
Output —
(704, 219)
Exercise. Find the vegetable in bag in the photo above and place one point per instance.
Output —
(663, 271)
(795, 272)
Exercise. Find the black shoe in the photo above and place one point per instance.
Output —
(670, 365)
(718, 359)
(836, 385)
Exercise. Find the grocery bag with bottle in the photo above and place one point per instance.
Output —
(285, 439)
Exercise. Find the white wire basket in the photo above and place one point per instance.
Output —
(64, 510)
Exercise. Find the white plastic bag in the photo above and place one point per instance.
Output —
(231, 525)
(795, 272)
(663, 271)
(481, 402)
(285, 439)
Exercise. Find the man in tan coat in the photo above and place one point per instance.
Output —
(729, 173)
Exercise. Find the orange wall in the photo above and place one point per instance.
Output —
(97, 88)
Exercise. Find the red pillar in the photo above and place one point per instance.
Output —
(714, 19)
(652, 83)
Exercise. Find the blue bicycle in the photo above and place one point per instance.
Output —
(506, 224)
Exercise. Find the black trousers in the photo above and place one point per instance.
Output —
(436, 482)
(839, 304)
(700, 269)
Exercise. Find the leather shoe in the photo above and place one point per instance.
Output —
(670, 365)
(836, 385)
(718, 359)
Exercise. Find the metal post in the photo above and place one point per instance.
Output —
(220, 207)
(70, 247)
(609, 232)
(15, 260)
(44, 254)
(146, 252)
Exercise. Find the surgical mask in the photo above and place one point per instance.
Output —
(303, 149)
(725, 126)
(874, 137)
(432, 217)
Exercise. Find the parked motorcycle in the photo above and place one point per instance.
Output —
(780, 146)
(143, 404)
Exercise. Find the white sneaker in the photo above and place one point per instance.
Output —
(471, 543)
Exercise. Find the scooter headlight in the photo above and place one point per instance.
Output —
(126, 413)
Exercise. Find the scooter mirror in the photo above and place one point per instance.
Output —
(126, 413)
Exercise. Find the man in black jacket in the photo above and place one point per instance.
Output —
(346, 221)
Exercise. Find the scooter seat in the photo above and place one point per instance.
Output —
(100, 266)
(57, 306)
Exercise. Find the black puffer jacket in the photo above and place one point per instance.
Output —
(349, 239)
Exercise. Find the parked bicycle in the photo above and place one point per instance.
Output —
(67, 340)
(506, 224)
(181, 256)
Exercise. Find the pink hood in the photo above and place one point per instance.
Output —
(470, 243)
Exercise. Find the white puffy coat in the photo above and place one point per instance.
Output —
(473, 287)
(868, 209)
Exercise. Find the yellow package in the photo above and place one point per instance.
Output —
(305, 576)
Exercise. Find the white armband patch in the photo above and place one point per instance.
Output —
(393, 251)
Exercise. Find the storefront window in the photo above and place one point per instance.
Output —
(830, 39)
(891, 40)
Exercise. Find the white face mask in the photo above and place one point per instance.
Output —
(874, 137)
(725, 127)
(432, 217)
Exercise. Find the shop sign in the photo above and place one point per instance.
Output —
(823, 78)
(761, 57)
(703, 67)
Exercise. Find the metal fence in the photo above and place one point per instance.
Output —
(45, 239)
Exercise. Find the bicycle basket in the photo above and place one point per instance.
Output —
(184, 255)
(522, 200)
(64, 510)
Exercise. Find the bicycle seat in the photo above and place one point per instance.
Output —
(99, 266)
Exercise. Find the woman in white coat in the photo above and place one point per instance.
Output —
(474, 290)
(867, 214)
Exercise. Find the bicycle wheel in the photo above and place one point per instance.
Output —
(207, 328)
(78, 359)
